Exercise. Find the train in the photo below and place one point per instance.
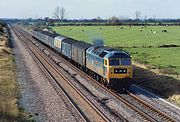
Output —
(109, 66)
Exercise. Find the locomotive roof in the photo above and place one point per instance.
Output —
(69, 40)
(105, 52)
(118, 54)
(53, 35)
(60, 37)
(48, 33)
(82, 45)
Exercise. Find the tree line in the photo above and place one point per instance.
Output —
(59, 18)
(113, 21)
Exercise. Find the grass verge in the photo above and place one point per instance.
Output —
(9, 89)
(160, 84)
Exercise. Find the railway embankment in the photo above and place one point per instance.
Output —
(164, 85)
(9, 89)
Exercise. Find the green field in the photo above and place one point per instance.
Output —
(142, 43)
(163, 58)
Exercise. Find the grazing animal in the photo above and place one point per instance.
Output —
(165, 31)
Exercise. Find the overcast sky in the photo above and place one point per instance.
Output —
(77, 9)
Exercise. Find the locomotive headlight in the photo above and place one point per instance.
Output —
(120, 71)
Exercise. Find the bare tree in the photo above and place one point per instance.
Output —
(98, 20)
(56, 13)
(59, 13)
(62, 13)
(113, 20)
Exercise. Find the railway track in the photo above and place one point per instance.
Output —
(144, 110)
(86, 110)
(151, 111)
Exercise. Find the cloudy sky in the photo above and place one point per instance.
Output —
(77, 9)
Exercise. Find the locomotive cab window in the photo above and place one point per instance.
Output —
(114, 62)
(126, 61)
(105, 62)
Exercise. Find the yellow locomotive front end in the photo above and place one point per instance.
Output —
(119, 72)
(120, 68)
(109, 66)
